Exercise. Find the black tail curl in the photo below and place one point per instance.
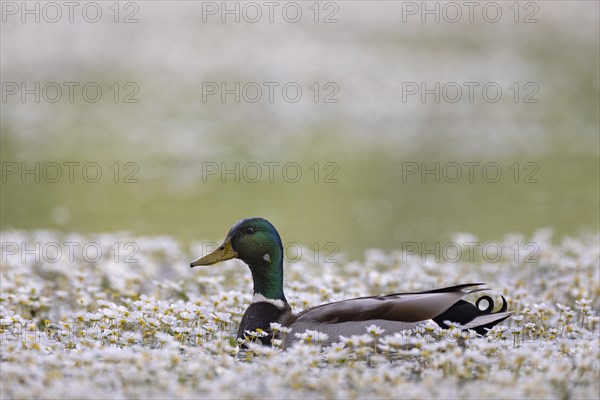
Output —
(463, 312)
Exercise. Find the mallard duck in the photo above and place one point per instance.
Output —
(256, 242)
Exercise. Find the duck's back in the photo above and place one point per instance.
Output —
(396, 313)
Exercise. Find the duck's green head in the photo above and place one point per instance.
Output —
(256, 242)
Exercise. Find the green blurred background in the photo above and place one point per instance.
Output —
(170, 134)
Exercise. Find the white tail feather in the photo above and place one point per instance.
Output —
(486, 319)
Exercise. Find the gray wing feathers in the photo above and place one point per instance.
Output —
(411, 307)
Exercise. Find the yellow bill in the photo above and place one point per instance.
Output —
(222, 253)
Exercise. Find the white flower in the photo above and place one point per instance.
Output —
(168, 320)
(375, 330)
(363, 340)
(336, 352)
(393, 341)
(94, 316)
(257, 333)
(108, 313)
(221, 317)
(518, 318)
(186, 315)
(275, 327)
(312, 336)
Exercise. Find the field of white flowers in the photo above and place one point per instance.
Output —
(139, 323)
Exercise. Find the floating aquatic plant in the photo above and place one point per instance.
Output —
(156, 329)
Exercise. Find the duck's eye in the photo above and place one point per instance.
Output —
(249, 231)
